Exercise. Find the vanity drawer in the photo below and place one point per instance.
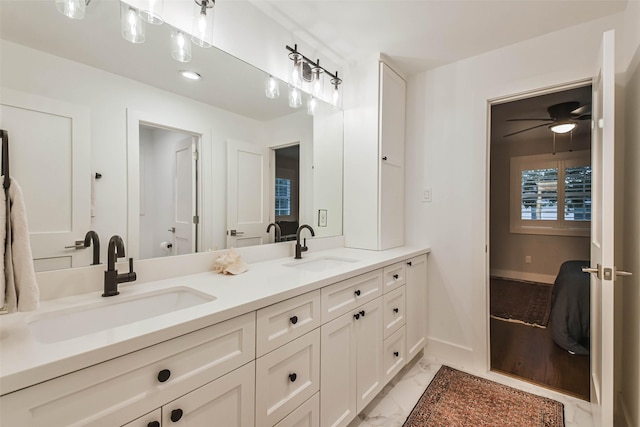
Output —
(395, 275)
(305, 415)
(394, 311)
(349, 294)
(147, 420)
(286, 377)
(394, 354)
(282, 322)
(119, 390)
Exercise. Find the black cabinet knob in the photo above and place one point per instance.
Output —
(356, 316)
(395, 276)
(395, 310)
(293, 320)
(176, 414)
(409, 264)
(396, 354)
(293, 377)
(154, 424)
(362, 313)
(384, 158)
(357, 292)
(164, 375)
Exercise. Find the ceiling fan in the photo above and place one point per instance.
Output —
(562, 118)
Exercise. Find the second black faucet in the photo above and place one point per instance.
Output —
(302, 248)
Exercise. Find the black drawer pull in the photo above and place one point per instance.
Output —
(356, 316)
(176, 414)
(293, 319)
(396, 310)
(362, 313)
(164, 375)
(396, 354)
(409, 263)
(384, 158)
(395, 276)
(293, 377)
(357, 292)
(154, 424)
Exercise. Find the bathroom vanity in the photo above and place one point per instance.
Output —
(289, 343)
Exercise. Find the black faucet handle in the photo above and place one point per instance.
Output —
(130, 265)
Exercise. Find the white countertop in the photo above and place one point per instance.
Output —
(24, 361)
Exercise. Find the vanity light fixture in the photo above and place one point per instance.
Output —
(202, 30)
(312, 104)
(272, 88)
(180, 46)
(295, 97)
(562, 127)
(73, 9)
(191, 75)
(131, 24)
(151, 11)
(306, 70)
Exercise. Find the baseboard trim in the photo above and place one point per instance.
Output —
(525, 277)
(448, 353)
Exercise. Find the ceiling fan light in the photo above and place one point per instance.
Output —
(562, 127)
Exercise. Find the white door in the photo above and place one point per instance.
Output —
(49, 152)
(247, 194)
(184, 201)
(602, 237)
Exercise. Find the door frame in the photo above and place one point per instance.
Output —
(185, 125)
(490, 102)
(272, 177)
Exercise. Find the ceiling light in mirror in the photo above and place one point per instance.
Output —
(73, 9)
(312, 105)
(180, 46)
(151, 11)
(202, 30)
(272, 88)
(562, 127)
(131, 24)
(295, 97)
(191, 75)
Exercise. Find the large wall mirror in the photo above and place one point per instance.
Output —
(107, 135)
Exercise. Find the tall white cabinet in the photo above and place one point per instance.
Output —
(374, 153)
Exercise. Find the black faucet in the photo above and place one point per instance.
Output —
(278, 231)
(92, 237)
(302, 248)
(111, 276)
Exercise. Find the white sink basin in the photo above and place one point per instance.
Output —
(321, 264)
(112, 312)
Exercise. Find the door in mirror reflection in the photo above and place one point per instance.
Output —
(168, 192)
(287, 190)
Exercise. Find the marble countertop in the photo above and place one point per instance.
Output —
(25, 361)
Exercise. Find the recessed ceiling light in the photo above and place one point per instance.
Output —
(191, 75)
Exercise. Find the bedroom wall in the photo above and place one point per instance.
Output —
(446, 150)
(508, 250)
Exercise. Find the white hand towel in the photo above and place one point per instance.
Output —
(22, 292)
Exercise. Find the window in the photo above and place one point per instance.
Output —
(283, 197)
(551, 194)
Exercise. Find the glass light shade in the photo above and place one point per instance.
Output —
(180, 46)
(563, 127)
(296, 70)
(317, 81)
(73, 9)
(295, 97)
(151, 11)
(202, 29)
(132, 25)
(336, 95)
(272, 88)
(312, 105)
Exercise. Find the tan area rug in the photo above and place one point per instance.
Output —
(522, 302)
(458, 399)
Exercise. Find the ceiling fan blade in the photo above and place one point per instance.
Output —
(582, 110)
(527, 120)
(524, 130)
(583, 117)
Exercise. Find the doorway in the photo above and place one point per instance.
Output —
(168, 192)
(286, 210)
(540, 201)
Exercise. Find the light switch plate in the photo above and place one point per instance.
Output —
(322, 218)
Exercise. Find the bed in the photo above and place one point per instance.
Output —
(570, 308)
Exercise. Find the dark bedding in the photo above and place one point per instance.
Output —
(570, 307)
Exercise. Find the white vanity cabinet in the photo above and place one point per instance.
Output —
(416, 299)
(351, 363)
(122, 389)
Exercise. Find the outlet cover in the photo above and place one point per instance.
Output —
(322, 218)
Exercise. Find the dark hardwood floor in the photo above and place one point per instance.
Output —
(529, 353)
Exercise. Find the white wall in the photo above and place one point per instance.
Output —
(508, 250)
(446, 150)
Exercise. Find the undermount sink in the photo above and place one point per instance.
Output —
(113, 312)
(321, 264)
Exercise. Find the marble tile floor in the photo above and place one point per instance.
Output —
(394, 404)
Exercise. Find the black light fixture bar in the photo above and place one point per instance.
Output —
(335, 80)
